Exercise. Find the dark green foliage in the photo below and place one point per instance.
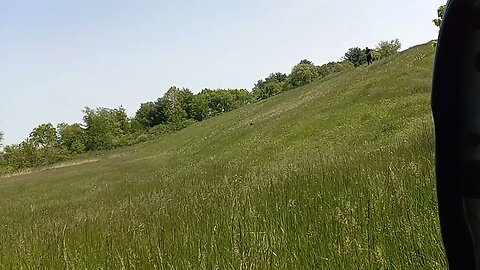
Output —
(356, 56)
(240, 97)
(200, 106)
(146, 115)
(176, 104)
(23, 155)
(274, 77)
(158, 115)
(270, 86)
(43, 146)
(45, 135)
(209, 103)
(306, 62)
(268, 89)
(72, 137)
(221, 101)
(104, 127)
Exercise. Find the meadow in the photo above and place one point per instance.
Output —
(338, 174)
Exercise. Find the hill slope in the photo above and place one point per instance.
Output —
(334, 175)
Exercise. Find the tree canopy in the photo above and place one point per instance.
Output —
(356, 56)
(303, 73)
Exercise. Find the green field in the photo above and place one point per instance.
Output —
(338, 174)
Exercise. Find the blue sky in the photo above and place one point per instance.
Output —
(56, 57)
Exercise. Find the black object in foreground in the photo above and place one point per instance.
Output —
(456, 111)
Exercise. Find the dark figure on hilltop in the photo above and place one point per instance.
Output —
(368, 52)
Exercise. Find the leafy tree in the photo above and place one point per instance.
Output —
(45, 135)
(158, 115)
(145, 115)
(219, 101)
(306, 62)
(23, 155)
(46, 144)
(270, 86)
(105, 127)
(440, 14)
(303, 73)
(277, 77)
(176, 104)
(40, 148)
(200, 105)
(209, 103)
(387, 48)
(72, 137)
(268, 89)
(356, 56)
(241, 97)
(136, 127)
(12, 157)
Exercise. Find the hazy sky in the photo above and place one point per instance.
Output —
(56, 57)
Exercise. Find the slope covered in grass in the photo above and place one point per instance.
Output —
(334, 175)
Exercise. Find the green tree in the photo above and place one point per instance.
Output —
(21, 156)
(270, 86)
(46, 145)
(303, 73)
(176, 104)
(200, 108)
(72, 137)
(45, 135)
(440, 14)
(241, 97)
(105, 127)
(12, 157)
(356, 56)
(267, 90)
(145, 115)
(276, 77)
(387, 48)
(220, 101)
(158, 115)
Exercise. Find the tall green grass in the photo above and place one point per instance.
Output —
(335, 175)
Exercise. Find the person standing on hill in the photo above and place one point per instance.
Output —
(368, 52)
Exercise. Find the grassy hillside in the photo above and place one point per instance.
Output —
(338, 174)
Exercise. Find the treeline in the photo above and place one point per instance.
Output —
(106, 129)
